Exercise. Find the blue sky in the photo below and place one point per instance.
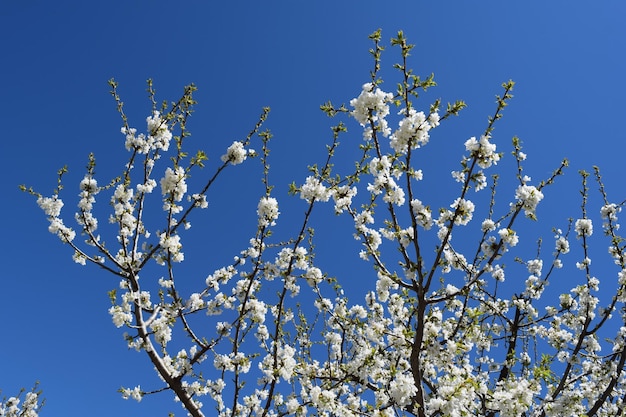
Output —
(567, 58)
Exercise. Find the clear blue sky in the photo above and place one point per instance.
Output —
(567, 57)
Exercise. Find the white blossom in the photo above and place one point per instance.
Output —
(412, 132)
(50, 205)
(235, 154)
(484, 151)
(343, 197)
(583, 227)
(314, 190)
(267, 210)
(160, 135)
(174, 183)
(172, 245)
(562, 245)
(464, 211)
(488, 225)
(134, 393)
(372, 105)
(529, 196)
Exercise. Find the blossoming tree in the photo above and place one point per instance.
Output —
(444, 329)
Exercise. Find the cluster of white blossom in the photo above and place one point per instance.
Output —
(529, 197)
(513, 397)
(534, 285)
(52, 207)
(372, 236)
(158, 137)
(221, 276)
(11, 407)
(314, 190)
(509, 237)
(123, 202)
(608, 212)
(235, 154)
(285, 366)
(173, 187)
(464, 211)
(370, 109)
(134, 393)
(483, 150)
(314, 276)
(562, 244)
(171, 244)
(89, 189)
(159, 131)
(583, 227)
(267, 210)
(422, 214)
(412, 132)
(122, 313)
(383, 172)
(343, 197)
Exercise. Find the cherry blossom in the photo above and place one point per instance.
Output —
(454, 320)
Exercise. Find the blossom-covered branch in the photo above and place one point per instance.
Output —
(457, 319)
